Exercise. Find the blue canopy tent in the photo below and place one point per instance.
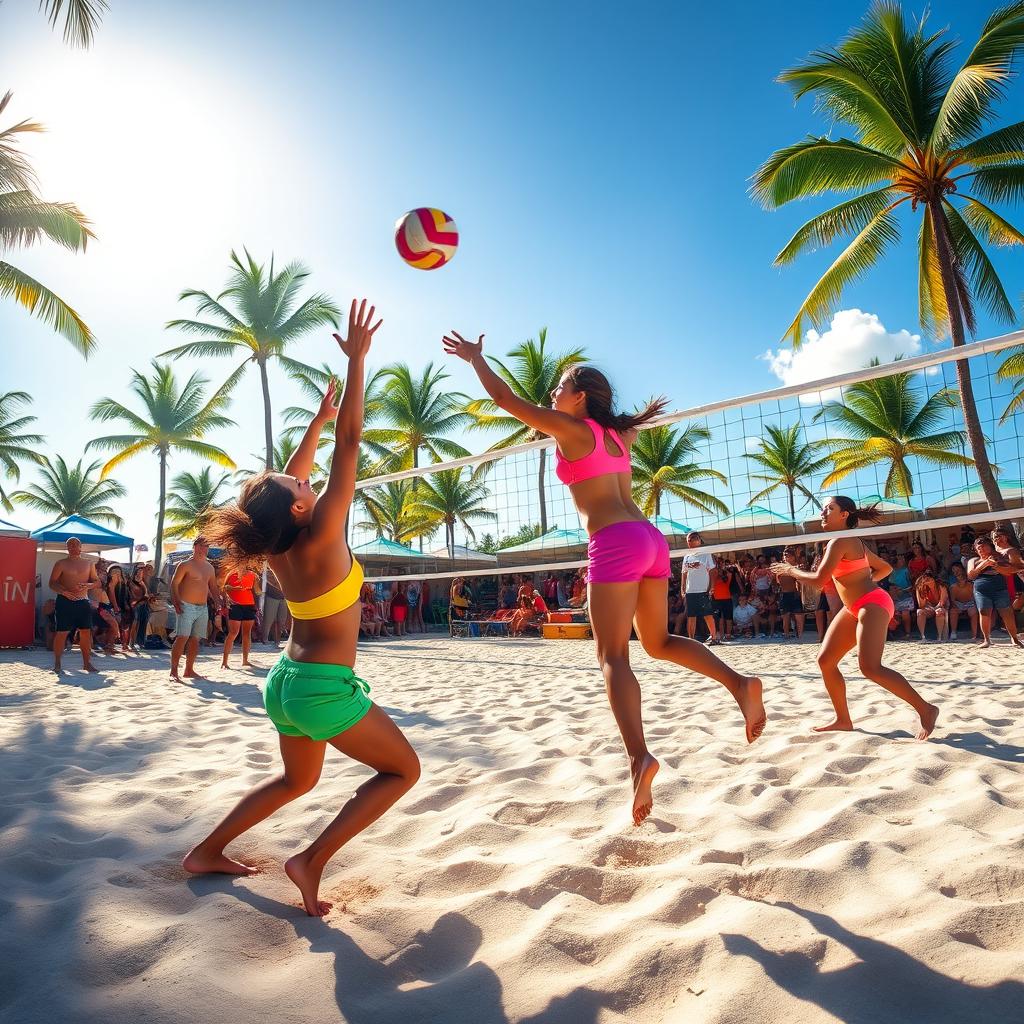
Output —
(93, 536)
(9, 529)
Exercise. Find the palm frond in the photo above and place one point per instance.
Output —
(47, 306)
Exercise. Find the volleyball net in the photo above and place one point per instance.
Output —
(892, 434)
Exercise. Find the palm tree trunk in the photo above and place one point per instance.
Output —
(975, 436)
(268, 429)
(540, 489)
(450, 531)
(160, 514)
(657, 503)
(792, 506)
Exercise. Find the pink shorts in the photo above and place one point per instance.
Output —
(877, 596)
(627, 552)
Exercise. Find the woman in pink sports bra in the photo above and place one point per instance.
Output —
(629, 568)
(864, 619)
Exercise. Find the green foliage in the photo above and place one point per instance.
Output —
(191, 499)
(15, 447)
(788, 460)
(664, 462)
(69, 491)
(452, 497)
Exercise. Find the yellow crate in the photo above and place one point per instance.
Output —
(566, 631)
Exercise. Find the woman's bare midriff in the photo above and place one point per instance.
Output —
(599, 502)
(304, 574)
(856, 585)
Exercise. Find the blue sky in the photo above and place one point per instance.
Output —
(595, 156)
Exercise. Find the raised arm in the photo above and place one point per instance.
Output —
(300, 465)
(335, 499)
(558, 425)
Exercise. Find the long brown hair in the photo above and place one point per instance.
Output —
(259, 524)
(601, 399)
(869, 514)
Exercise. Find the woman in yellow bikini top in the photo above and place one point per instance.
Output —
(312, 695)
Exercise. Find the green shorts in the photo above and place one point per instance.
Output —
(305, 698)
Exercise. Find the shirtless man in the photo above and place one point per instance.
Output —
(193, 580)
(71, 580)
(791, 603)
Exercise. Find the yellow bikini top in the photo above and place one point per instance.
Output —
(337, 599)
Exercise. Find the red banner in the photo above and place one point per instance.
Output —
(17, 591)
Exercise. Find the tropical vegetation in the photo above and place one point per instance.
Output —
(787, 460)
(256, 317)
(450, 497)
(391, 512)
(16, 447)
(81, 18)
(72, 491)
(172, 419)
(886, 422)
(27, 220)
(664, 463)
(191, 499)
(922, 139)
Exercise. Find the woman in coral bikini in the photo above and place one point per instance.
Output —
(629, 561)
(312, 695)
(864, 619)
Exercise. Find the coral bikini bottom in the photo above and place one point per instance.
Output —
(877, 596)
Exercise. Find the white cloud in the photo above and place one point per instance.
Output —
(852, 340)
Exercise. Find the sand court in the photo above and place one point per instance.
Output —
(856, 877)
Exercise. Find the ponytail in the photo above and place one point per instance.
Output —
(869, 514)
(260, 524)
(600, 400)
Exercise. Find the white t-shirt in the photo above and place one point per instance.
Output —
(743, 614)
(698, 565)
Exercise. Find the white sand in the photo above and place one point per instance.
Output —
(857, 877)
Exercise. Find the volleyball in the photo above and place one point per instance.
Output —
(426, 238)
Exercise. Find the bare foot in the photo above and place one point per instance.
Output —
(58, 670)
(836, 726)
(191, 673)
(90, 668)
(643, 800)
(984, 644)
(223, 664)
(199, 863)
(174, 676)
(749, 700)
(307, 881)
(928, 719)
(246, 664)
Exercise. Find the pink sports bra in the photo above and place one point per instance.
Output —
(598, 463)
(848, 565)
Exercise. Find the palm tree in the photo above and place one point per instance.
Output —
(26, 220)
(1012, 368)
(173, 419)
(390, 508)
(919, 137)
(886, 422)
(449, 497)
(663, 463)
(193, 496)
(788, 458)
(15, 446)
(419, 416)
(267, 316)
(73, 491)
(81, 19)
(534, 374)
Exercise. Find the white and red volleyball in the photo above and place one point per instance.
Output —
(426, 238)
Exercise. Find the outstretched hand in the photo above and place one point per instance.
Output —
(456, 345)
(781, 568)
(330, 402)
(360, 331)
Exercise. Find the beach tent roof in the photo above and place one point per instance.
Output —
(8, 529)
(384, 548)
(553, 540)
(670, 527)
(462, 553)
(753, 517)
(966, 498)
(93, 536)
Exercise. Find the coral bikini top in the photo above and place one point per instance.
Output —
(598, 463)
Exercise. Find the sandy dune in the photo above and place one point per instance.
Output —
(857, 877)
